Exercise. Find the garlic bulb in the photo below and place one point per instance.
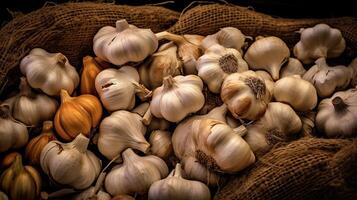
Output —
(188, 49)
(70, 163)
(292, 67)
(124, 43)
(121, 130)
(269, 53)
(13, 134)
(177, 97)
(31, 108)
(280, 123)
(320, 41)
(161, 145)
(175, 187)
(246, 95)
(217, 63)
(295, 91)
(90, 70)
(136, 174)
(228, 37)
(49, 72)
(353, 68)
(328, 79)
(163, 63)
(337, 116)
(117, 88)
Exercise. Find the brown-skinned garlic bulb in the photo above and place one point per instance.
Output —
(124, 43)
(292, 67)
(353, 68)
(117, 88)
(31, 108)
(297, 92)
(49, 72)
(13, 134)
(246, 95)
(320, 41)
(121, 130)
(161, 145)
(177, 97)
(269, 54)
(337, 116)
(175, 187)
(135, 174)
(163, 63)
(280, 123)
(70, 163)
(217, 63)
(328, 79)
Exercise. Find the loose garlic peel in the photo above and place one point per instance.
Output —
(292, 67)
(161, 145)
(121, 130)
(124, 43)
(163, 63)
(328, 79)
(117, 88)
(320, 41)
(135, 174)
(175, 187)
(217, 63)
(297, 92)
(337, 116)
(280, 123)
(49, 72)
(177, 97)
(269, 54)
(246, 95)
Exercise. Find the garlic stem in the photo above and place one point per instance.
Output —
(17, 165)
(147, 117)
(121, 25)
(178, 171)
(142, 92)
(99, 182)
(25, 89)
(61, 59)
(5, 111)
(339, 104)
(128, 154)
(172, 37)
(57, 194)
(141, 109)
(81, 143)
(47, 127)
(241, 130)
(64, 96)
(168, 82)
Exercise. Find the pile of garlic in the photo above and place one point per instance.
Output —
(131, 116)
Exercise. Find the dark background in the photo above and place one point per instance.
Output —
(281, 8)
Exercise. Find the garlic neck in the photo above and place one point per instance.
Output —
(240, 130)
(178, 171)
(5, 111)
(168, 82)
(17, 166)
(60, 59)
(47, 127)
(87, 60)
(25, 89)
(218, 113)
(339, 104)
(172, 37)
(128, 155)
(81, 143)
(121, 25)
(64, 96)
(321, 62)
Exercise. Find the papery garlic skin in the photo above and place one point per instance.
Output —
(328, 79)
(135, 174)
(246, 95)
(49, 72)
(280, 123)
(337, 116)
(117, 88)
(13, 134)
(124, 43)
(175, 187)
(269, 54)
(319, 41)
(297, 92)
(217, 63)
(121, 130)
(70, 163)
(177, 97)
(292, 67)
(353, 68)
(161, 145)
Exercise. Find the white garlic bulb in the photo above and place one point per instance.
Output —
(117, 88)
(328, 79)
(30, 108)
(70, 163)
(13, 134)
(177, 97)
(269, 54)
(246, 95)
(124, 43)
(49, 72)
(353, 68)
(320, 41)
(136, 174)
(175, 187)
(297, 92)
(121, 130)
(161, 145)
(217, 63)
(292, 67)
(280, 123)
(163, 63)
